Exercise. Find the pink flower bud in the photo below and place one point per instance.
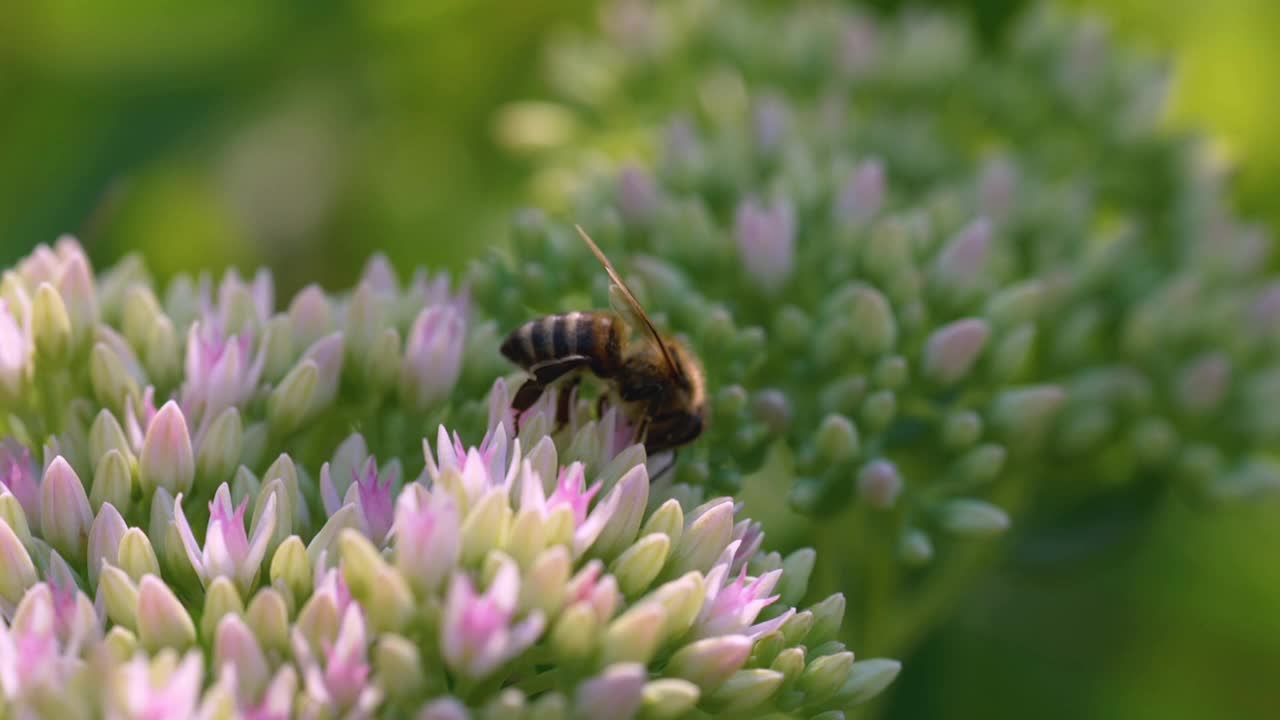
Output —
(772, 119)
(147, 694)
(879, 484)
(638, 197)
(65, 515)
(433, 356)
(18, 476)
(962, 260)
(766, 241)
(952, 349)
(862, 195)
(167, 460)
(427, 544)
(615, 694)
(15, 350)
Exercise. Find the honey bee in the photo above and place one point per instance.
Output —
(659, 381)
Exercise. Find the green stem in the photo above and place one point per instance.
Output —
(541, 682)
(920, 613)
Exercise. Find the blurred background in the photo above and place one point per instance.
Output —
(306, 135)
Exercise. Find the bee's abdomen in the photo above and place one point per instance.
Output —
(555, 337)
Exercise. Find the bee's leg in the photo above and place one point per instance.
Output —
(543, 375)
(565, 400)
(642, 432)
(550, 371)
(527, 395)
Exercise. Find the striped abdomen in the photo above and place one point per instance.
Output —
(596, 336)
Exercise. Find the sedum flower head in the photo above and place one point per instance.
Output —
(900, 260)
(227, 555)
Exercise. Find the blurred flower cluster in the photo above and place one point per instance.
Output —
(216, 557)
(956, 286)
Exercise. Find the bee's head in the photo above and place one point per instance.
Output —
(692, 380)
(683, 417)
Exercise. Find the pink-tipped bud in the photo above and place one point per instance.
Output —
(766, 241)
(65, 515)
(953, 349)
(433, 356)
(167, 459)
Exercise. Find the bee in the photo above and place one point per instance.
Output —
(659, 381)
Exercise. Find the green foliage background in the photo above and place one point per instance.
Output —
(306, 135)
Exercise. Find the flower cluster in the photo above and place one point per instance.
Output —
(215, 558)
(950, 282)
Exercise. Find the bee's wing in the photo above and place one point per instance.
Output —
(635, 314)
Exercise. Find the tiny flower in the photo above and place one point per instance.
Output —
(1024, 414)
(291, 401)
(433, 356)
(105, 534)
(998, 187)
(749, 535)
(163, 621)
(837, 439)
(328, 355)
(219, 447)
(1203, 384)
(75, 285)
(960, 263)
(15, 350)
(862, 195)
(621, 528)
(112, 482)
(952, 350)
(31, 656)
(380, 275)
(278, 700)
(18, 476)
(50, 325)
(705, 537)
(426, 290)
(167, 459)
(766, 242)
(974, 518)
(136, 556)
(148, 695)
(228, 549)
(615, 694)
(311, 315)
(732, 608)
(709, 663)
(372, 496)
(879, 484)
(638, 197)
(65, 514)
(859, 45)
(823, 676)
(571, 494)
(427, 544)
(771, 119)
(868, 678)
(137, 418)
(343, 680)
(238, 305)
(221, 371)
(477, 635)
(598, 591)
(479, 469)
